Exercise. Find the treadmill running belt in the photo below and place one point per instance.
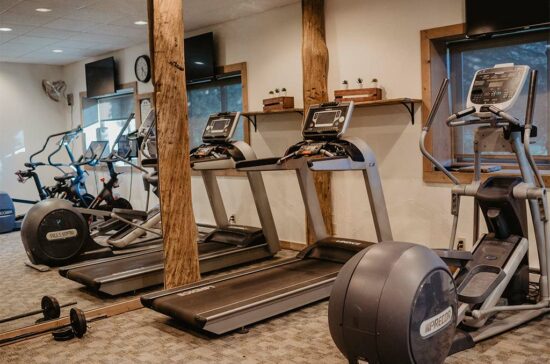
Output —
(212, 246)
(195, 306)
(92, 274)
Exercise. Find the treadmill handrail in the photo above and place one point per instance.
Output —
(244, 165)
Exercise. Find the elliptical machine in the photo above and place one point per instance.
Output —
(56, 233)
(400, 303)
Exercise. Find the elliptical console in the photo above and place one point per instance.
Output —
(399, 303)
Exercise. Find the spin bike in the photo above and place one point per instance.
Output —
(399, 302)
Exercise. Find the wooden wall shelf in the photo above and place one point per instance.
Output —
(405, 101)
(251, 115)
(408, 103)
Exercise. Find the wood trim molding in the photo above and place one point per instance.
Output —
(139, 99)
(243, 70)
(222, 173)
(292, 245)
(107, 311)
(433, 68)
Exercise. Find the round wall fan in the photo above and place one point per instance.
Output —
(54, 89)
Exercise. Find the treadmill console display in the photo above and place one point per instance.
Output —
(220, 127)
(499, 86)
(95, 150)
(327, 120)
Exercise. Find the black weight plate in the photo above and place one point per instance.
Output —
(63, 334)
(78, 322)
(50, 308)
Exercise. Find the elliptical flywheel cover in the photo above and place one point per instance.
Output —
(54, 232)
(394, 303)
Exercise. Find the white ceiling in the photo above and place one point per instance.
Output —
(87, 28)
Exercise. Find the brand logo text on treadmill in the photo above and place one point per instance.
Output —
(196, 290)
(348, 242)
(61, 234)
(436, 323)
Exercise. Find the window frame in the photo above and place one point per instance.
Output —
(124, 86)
(439, 142)
(233, 68)
(506, 162)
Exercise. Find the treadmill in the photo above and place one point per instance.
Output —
(222, 246)
(220, 305)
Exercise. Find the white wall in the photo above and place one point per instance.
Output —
(27, 116)
(368, 39)
(74, 75)
(270, 43)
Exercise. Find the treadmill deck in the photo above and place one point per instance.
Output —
(199, 306)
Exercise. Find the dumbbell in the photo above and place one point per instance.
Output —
(50, 308)
(76, 328)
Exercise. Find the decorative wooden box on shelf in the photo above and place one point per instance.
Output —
(278, 103)
(358, 94)
(408, 103)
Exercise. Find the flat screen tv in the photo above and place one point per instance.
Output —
(199, 57)
(493, 16)
(100, 77)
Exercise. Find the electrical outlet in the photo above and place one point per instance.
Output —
(461, 244)
(232, 219)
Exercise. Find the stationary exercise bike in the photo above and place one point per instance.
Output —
(400, 303)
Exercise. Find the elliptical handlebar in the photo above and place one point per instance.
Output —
(531, 96)
(72, 133)
(426, 129)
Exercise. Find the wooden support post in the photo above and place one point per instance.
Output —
(181, 264)
(315, 73)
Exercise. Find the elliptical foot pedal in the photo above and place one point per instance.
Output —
(454, 258)
(479, 283)
(38, 267)
(131, 214)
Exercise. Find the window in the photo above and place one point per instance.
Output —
(466, 57)
(103, 118)
(212, 97)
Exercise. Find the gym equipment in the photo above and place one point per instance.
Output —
(78, 325)
(70, 185)
(55, 233)
(400, 303)
(226, 245)
(232, 301)
(8, 219)
(50, 309)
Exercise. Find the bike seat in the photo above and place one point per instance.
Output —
(64, 177)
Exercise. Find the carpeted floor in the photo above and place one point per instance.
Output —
(22, 287)
(302, 336)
